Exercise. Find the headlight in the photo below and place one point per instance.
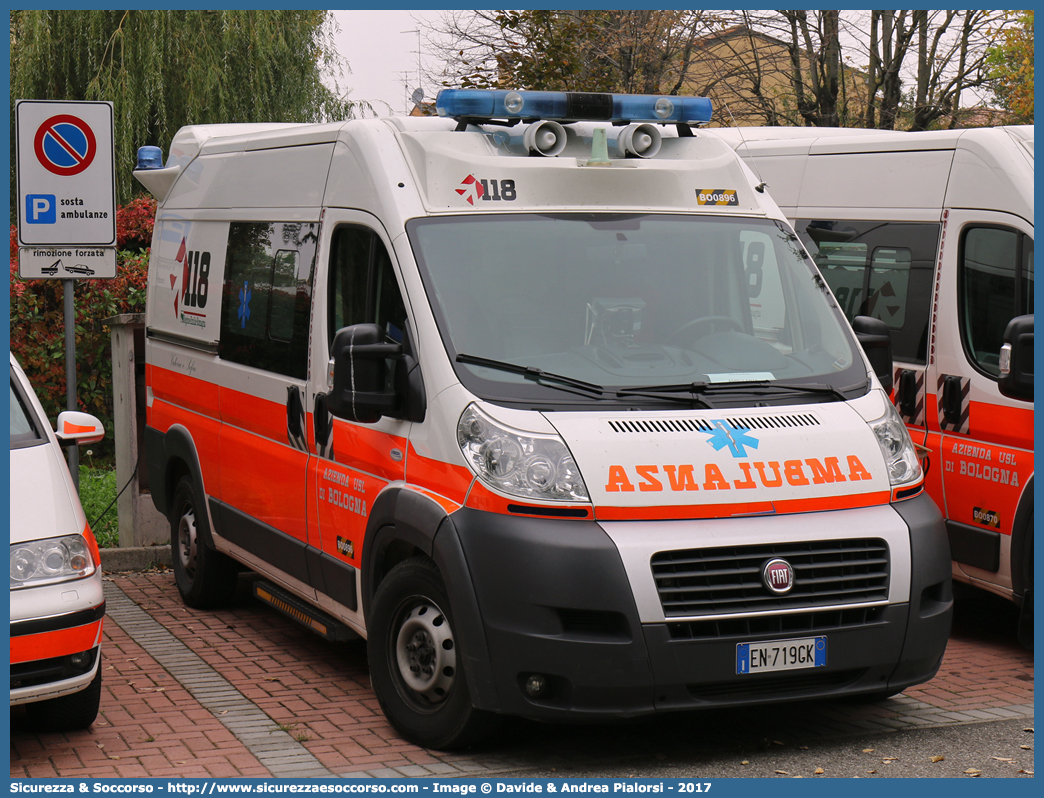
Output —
(531, 466)
(900, 456)
(40, 562)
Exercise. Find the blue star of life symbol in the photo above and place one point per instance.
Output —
(735, 438)
(244, 304)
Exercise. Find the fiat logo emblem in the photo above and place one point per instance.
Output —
(778, 576)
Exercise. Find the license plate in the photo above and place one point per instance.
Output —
(781, 655)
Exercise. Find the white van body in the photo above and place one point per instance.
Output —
(933, 233)
(565, 451)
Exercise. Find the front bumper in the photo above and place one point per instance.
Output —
(571, 601)
(55, 638)
(54, 677)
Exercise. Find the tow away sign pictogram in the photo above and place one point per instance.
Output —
(66, 189)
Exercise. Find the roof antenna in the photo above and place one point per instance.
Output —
(760, 187)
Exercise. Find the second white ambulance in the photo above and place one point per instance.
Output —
(546, 400)
(932, 233)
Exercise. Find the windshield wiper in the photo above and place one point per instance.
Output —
(766, 387)
(812, 387)
(533, 373)
(693, 393)
(699, 390)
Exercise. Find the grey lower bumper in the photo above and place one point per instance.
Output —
(554, 598)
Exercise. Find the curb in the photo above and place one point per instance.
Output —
(134, 559)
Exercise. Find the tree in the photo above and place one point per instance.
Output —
(636, 51)
(165, 69)
(879, 69)
(1011, 67)
(909, 69)
(948, 50)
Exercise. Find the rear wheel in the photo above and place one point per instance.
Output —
(68, 712)
(205, 577)
(415, 663)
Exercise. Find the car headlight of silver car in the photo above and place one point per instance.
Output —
(904, 468)
(41, 562)
(529, 465)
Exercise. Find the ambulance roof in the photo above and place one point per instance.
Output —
(640, 155)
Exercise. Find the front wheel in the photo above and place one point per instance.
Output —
(68, 712)
(205, 577)
(415, 663)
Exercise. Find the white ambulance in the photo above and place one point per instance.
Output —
(932, 233)
(543, 398)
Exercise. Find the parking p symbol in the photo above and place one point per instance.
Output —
(40, 209)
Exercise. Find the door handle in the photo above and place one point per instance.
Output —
(952, 400)
(295, 418)
(907, 393)
(321, 421)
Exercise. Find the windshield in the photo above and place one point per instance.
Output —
(630, 302)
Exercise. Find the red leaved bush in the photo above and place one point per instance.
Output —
(38, 321)
(134, 223)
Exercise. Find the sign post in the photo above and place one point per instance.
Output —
(65, 168)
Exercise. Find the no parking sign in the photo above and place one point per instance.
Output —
(65, 145)
(66, 189)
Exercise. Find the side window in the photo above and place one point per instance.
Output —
(268, 294)
(879, 269)
(995, 283)
(363, 288)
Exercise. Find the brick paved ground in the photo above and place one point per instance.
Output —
(245, 692)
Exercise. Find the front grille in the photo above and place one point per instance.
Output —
(814, 622)
(670, 425)
(774, 422)
(725, 580)
(683, 425)
(748, 687)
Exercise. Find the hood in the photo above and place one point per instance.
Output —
(722, 463)
(43, 501)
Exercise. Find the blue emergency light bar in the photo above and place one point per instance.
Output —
(571, 106)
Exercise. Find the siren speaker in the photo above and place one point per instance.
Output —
(639, 141)
(545, 138)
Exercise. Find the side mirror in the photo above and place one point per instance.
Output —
(373, 377)
(1016, 359)
(873, 336)
(78, 428)
(360, 374)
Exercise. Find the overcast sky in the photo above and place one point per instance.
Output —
(382, 58)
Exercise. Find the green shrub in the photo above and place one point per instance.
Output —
(38, 322)
(98, 491)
